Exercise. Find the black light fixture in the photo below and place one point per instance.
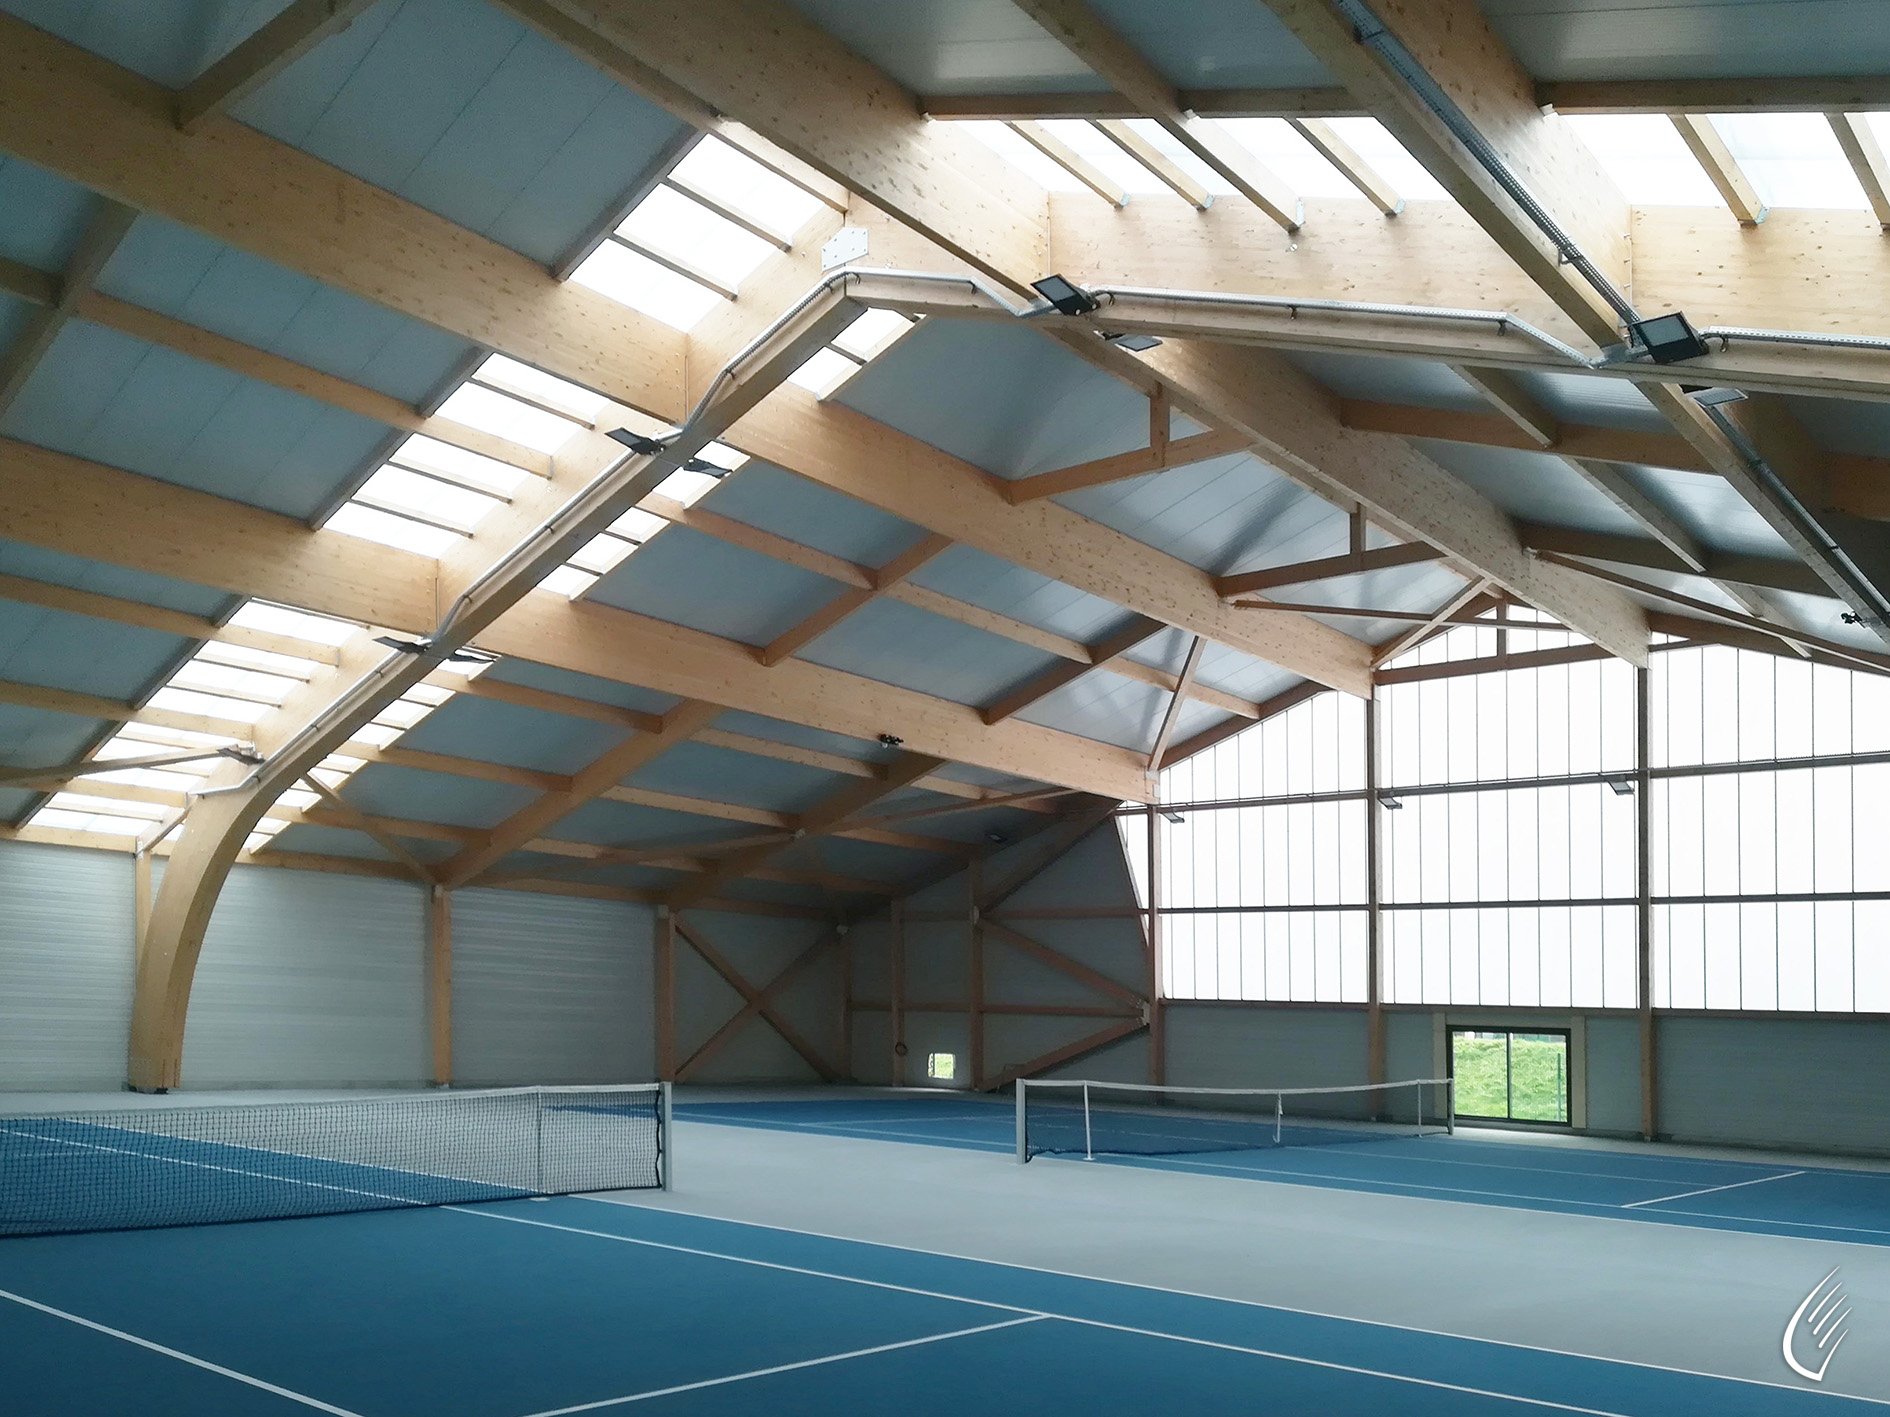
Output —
(1390, 803)
(1066, 296)
(891, 740)
(996, 838)
(1668, 339)
(464, 655)
(1623, 786)
(636, 442)
(1712, 395)
(242, 753)
(1132, 342)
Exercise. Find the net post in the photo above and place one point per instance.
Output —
(1419, 1090)
(1089, 1145)
(1450, 1103)
(667, 1150)
(1023, 1134)
(1279, 1115)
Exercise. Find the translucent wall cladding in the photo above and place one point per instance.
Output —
(1552, 721)
(1580, 957)
(1806, 831)
(1715, 705)
(1519, 844)
(1807, 955)
(1303, 956)
(1295, 854)
(1317, 746)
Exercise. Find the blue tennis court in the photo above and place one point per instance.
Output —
(1809, 1201)
(538, 1309)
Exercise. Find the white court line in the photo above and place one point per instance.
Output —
(787, 1367)
(208, 1166)
(1050, 1314)
(1733, 1186)
(1224, 1299)
(179, 1356)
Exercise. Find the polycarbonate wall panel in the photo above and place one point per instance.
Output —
(1294, 854)
(1580, 957)
(1539, 843)
(1826, 956)
(1317, 746)
(1718, 705)
(1799, 832)
(1553, 721)
(1300, 956)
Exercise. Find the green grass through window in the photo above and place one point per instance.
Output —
(1526, 1081)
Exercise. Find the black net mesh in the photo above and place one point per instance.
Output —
(1100, 1119)
(134, 1168)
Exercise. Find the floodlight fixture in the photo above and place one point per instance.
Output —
(464, 655)
(636, 442)
(1712, 395)
(1134, 343)
(1171, 815)
(1668, 339)
(1622, 786)
(1065, 296)
(1390, 803)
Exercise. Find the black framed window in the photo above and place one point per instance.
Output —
(1511, 1074)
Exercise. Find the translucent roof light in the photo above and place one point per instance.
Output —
(669, 222)
(580, 402)
(568, 581)
(300, 624)
(637, 281)
(1791, 159)
(507, 417)
(824, 372)
(389, 530)
(1644, 155)
(1004, 141)
(867, 336)
(1081, 137)
(738, 181)
(395, 489)
(482, 474)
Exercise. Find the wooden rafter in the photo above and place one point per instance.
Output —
(752, 1006)
(1139, 462)
(1328, 144)
(798, 637)
(1865, 155)
(1352, 563)
(1173, 711)
(1397, 646)
(1761, 572)
(361, 822)
(108, 226)
(1102, 654)
(1722, 168)
(1086, 35)
(260, 57)
(1072, 162)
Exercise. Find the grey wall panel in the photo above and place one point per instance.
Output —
(938, 963)
(66, 932)
(1091, 873)
(870, 948)
(1110, 947)
(758, 948)
(1125, 1060)
(1016, 1038)
(937, 1033)
(872, 1048)
(551, 989)
(1613, 1077)
(310, 980)
(1776, 1082)
(1218, 1046)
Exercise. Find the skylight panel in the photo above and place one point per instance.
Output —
(690, 488)
(300, 624)
(1373, 142)
(1791, 159)
(602, 554)
(1644, 155)
(873, 332)
(637, 281)
(482, 474)
(208, 705)
(242, 683)
(581, 403)
(1004, 141)
(823, 373)
(379, 734)
(389, 530)
(1172, 148)
(105, 806)
(68, 820)
(1276, 144)
(395, 489)
(507, 417)
(723, 456)
(1081, 137)
(299, 799)
(737, 180)
(243, 657)
(403, 713)
(669, 222)
(568, 581)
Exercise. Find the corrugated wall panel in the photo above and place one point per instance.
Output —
(1219, 1046)
(551, 989)
(310, 980)
(1613, 1076)
(1776, 1082)
(66, 931)
(758, 948)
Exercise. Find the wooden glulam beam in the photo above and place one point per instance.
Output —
(1102, 653)
(1760, 572)
(1795, 93)
(757, 1000)
(782, 76)
(1071, 161)
(1076, 26)
(109, 129)
(1217, 103)
(1326, 568)
(260, 57)
(107, 227)
(1138, 462)
(1722, 168)
(1865, 155)
(84, 509)
(1326, 141)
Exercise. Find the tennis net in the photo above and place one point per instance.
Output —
(1071, 1117)
(135, 1168)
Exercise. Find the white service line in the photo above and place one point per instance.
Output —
(1041, 1314)
(181, 1357)
(788, 1367)
(1733, 1186)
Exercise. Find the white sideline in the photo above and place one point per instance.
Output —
(181, 1357)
